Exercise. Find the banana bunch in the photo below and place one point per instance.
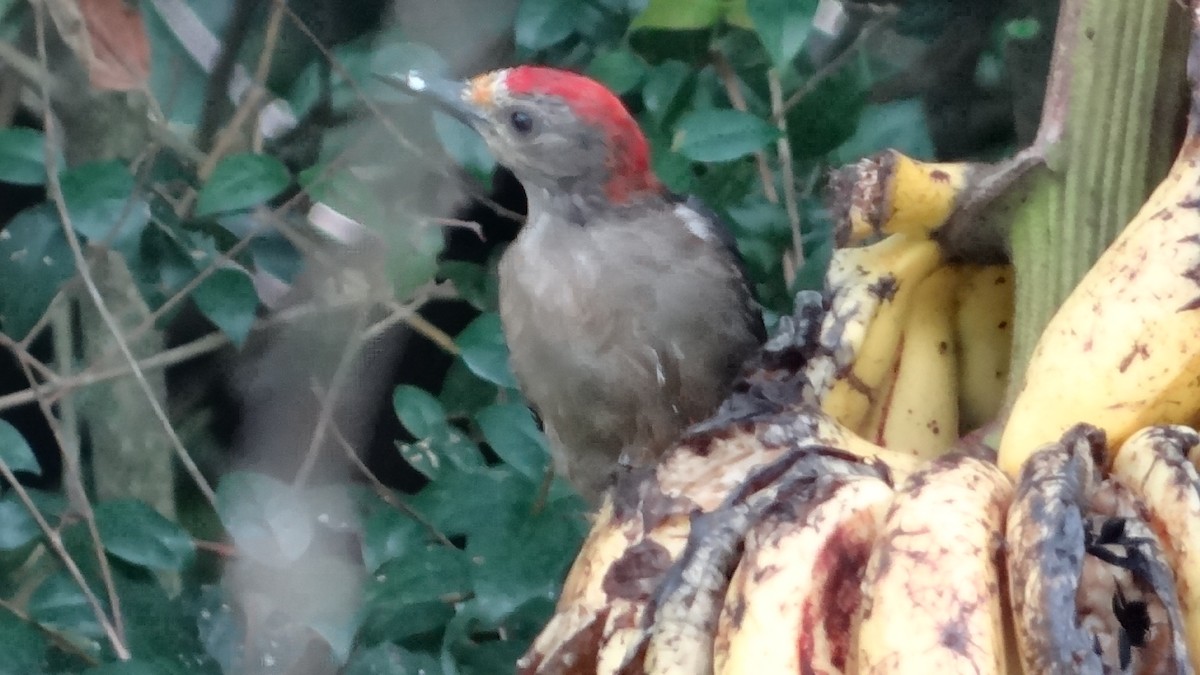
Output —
(840, 514)
(914, 349)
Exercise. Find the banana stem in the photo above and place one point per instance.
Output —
(1108, 132)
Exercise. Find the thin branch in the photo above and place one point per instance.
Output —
(218, 547)
(733, 90)
(60, 640)
(835, 64)
(248, 106)
(54, 189)
(78, 500)
(382, 490)
(64, 385)
(337, 382)
(784, 148)
(56, 545)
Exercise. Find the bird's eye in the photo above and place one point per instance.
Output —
(520, 121)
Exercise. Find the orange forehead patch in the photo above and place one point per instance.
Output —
(481, 89)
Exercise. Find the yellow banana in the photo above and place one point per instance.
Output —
(1154, 464)
(890, 193)
(921, 417)
(1122, 351)
(984, 345)
(789, 604)
(871, 293)
(933, 596)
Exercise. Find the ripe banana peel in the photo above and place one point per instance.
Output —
(984, 323)
(873, 292)
(1126, 337)
(1090, 587)
(891, 193)
(798, 582)
(1154, 464)
(937, 565)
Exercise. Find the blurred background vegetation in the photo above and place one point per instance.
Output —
(255, 410)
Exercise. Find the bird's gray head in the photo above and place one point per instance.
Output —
(555, 130)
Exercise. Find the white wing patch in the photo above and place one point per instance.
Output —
(696, 224)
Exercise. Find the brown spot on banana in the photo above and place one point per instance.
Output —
(1089, 588)
(1154, 464)
(948, 516)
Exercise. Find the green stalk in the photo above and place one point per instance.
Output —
(1115, 90)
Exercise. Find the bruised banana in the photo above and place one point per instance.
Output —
(1154, 464)
(933, 596)
(1125, 338)
(891, 193)
(871, 293)
(798, 582)
(1091, 590)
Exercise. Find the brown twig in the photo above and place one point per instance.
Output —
(62, 386)
(59, 639)
(835, 64)
(54, 190)
(247, 108)
(56, 545)
(382, 490)
(733, 90)
(783, 147)
(337, 382)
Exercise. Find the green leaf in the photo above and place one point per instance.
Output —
(390, 534)
(227, 297)
(35, 260)
(474, 283)
(15, 450)
(17, 526)
(419, 411)
(525, 554)
(620, 70)
(439, 444)
(139, 535)
(544, 23)
(667, 89)
(902, 125)
(446, 448)
(782, 25)
(59, 603)
(463, 393)
(414, 593)
(413, 250)
(510, 430)
(240, 182)
(22, 645)
(268, 520)
(481, 346)
(721, 135)
(102, 203)
(388, 659)
(676, 15)
(829, 114)
(161, 630)
(130, 667)
(466, 146)
(22, 156)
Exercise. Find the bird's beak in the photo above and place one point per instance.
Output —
(455, 98)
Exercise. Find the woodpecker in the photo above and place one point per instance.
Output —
(626, 309)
